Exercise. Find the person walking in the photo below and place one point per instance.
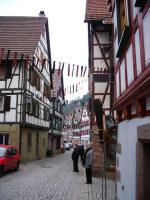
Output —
(75, 158)
(88, 163)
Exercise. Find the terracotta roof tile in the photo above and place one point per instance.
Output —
(21, 34)
(97, 10)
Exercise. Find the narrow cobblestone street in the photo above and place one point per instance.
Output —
(51, 179)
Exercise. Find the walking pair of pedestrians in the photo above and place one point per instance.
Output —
(86, 159)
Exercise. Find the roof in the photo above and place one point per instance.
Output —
(97, 10)
(21, 34)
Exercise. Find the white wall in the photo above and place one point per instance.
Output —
(127, 137)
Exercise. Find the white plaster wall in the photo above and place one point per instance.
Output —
(100, 87)
(103, 38)
(130, 72)
(117, 84)
(11, 116)
(146, 25)
(127, 137)
(135, 9)
(115, 19)
(138, 56)
(122, 68)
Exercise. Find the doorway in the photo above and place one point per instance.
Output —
(146, 170)
(37, 146)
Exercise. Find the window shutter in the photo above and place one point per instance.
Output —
(7, 103)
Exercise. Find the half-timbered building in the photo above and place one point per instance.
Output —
(56, 111)
(100, 37)
(25, 84)
(132, 97)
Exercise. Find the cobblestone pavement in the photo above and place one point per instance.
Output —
(51, 179)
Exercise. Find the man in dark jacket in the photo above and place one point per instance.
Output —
(88, 163)
(75, 158)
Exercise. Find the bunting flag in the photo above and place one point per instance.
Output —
(26, 62)
(2, 53)
(65, 91)
(59, 70)
(68, 69)
(43, 63)
(15, 59)
(81, 70)
(7, 57)
(73, 89)
(54, 62)
(77, 87)
(73, 70)
(70, 89)
(62, 68)
(84, 71)
(77, 70)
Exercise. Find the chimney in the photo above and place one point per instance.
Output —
(42, 14)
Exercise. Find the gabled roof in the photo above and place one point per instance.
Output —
(97, 10)
(21, 34)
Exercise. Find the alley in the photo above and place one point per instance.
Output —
(51, 179)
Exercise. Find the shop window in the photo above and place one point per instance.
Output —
(5, 103)
(123, 22)
(6, 70)
(29, 141)
(4, 139)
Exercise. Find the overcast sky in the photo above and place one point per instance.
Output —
(68, 32)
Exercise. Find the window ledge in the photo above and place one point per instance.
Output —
(123, 41)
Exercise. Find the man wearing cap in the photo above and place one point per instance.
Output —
(88, 163)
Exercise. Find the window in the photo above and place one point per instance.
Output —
(34, 78)
(4, 139)
(123, 23)
(13, 151)
(46, 90)
(4, 103)
(31, 76)
(29, 141)
(6, 70)
(46, 114)
(36, 108)
(56, 105)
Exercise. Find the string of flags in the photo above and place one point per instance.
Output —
(36, 60)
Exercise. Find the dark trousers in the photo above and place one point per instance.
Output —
(89, 175)
(75, 165)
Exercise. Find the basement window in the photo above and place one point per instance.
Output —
(123, 22)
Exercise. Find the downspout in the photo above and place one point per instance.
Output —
(21, 102)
